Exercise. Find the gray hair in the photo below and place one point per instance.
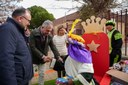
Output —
(46, 23)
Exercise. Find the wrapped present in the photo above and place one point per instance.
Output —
(63, 80)
(121, 66)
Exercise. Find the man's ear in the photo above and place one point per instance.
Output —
(18, 19)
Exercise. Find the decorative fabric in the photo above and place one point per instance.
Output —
(79, 53)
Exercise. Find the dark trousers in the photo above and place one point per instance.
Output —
(27, 84)
(61, 74)
(112, 58)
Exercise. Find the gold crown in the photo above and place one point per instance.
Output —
(93, 25)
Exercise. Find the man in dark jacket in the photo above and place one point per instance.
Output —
(15, 57)
(40, 41)
(115, 42)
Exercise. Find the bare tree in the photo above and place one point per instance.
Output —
(6, 8)
(96, 7)
(123, 5)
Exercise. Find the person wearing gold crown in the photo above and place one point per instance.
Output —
(78, 65)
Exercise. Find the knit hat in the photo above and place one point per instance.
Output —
(109, 22)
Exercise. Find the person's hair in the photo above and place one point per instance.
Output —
(46, 23)
(59, 27)
(19, 12)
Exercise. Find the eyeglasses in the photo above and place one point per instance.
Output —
(26, 19)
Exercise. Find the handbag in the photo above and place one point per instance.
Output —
(57, 65)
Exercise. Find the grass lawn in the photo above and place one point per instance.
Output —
(50, 82)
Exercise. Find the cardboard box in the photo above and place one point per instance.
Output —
(118, 76)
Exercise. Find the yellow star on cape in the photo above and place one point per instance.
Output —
(93, 46)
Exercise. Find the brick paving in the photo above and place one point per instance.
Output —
(49, 74)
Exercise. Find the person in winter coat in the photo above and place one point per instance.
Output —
(40, 41)
(115, 42)
(15, 58)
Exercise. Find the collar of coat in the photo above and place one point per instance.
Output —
(18, 26)
(37, 32)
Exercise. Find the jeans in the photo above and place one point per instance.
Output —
(41, 68)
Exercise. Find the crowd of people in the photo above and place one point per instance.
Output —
(20, 49)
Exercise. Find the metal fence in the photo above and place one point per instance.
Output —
(121, 19)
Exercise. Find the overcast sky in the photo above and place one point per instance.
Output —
(57, 8)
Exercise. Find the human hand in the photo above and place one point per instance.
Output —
(47, 59)
(65, 31)
(70, 40)
(60, 59)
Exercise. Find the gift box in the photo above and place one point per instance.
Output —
(118, 77)
(63, 80)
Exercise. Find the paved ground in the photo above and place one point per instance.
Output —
(49, 74)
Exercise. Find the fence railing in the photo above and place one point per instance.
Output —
(121, 19)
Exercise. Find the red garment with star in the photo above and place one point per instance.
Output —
(100, 56)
